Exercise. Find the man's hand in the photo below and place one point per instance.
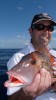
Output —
(41, 82)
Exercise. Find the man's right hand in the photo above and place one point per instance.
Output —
(41, 82)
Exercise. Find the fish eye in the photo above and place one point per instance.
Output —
(33, 62)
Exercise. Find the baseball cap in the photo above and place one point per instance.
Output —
(42, 16)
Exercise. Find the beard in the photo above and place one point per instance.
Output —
(42, 42)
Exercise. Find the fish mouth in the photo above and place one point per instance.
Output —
(12, 82)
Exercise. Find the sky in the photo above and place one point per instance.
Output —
(16, 17)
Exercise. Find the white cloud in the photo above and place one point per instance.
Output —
(54, 31)
(54, 38)
(52, 44)
(20, 37)
(20, 8)
(13, 42)
(40, 7)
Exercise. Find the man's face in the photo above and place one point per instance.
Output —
(42, 37)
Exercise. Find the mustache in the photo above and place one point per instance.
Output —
(44, 38)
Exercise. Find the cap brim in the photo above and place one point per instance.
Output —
(54, 23)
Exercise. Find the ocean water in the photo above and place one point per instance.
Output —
(5, 55)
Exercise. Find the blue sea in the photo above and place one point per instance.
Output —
(5, 55)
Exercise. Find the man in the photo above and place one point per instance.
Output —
(41, 31)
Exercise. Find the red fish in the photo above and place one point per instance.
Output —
(24, 72)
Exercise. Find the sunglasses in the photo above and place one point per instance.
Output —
(41, 27)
